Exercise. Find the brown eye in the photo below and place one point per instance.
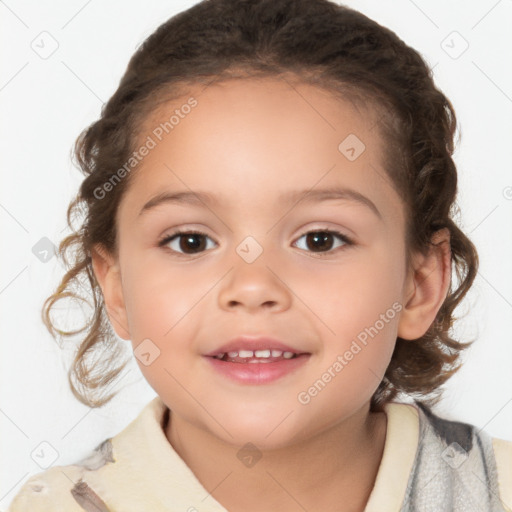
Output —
(185, 242)
(322, 241)
(194, 242)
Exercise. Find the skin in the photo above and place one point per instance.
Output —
(251, 141)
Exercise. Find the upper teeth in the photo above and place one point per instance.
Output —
(265, 353)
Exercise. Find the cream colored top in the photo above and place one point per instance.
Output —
(138, 470)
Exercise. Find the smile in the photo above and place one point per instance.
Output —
(255, 356)
(257, 367)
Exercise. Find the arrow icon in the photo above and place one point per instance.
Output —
(146, 352)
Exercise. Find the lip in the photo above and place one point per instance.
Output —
(254, 343)
(256, 372)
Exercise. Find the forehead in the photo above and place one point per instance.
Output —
(248, 140)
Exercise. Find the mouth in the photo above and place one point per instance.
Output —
(256, 356)
(259, 361)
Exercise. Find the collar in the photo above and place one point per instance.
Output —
(151, 474)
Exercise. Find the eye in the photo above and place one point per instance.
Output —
(190, 242)
(321, 240)
(193, 242)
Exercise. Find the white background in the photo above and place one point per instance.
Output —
(47, 102)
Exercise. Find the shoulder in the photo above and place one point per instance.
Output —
(503, 455)
(461, 451)
(62, 487)
(49, 490)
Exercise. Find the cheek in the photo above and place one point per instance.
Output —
(356, 292)
(163, 322)
(359, 307)
(159, 300)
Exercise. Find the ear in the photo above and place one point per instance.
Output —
(108, 275)
(427, 286)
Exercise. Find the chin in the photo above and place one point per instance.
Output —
(267, 430)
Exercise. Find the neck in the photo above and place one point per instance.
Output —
(332, 470)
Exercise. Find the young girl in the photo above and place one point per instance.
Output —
(242, 137)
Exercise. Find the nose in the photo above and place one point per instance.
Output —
(254, 286)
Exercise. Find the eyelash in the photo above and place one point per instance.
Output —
(168, 238)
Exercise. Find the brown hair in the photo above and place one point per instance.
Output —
(318, 42)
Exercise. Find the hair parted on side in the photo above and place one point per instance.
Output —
(316, 42)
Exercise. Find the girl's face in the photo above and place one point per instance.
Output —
(252, 157)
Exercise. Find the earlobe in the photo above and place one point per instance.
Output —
(107, 273)
(427, 287)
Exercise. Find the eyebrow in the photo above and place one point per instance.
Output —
(206, 199)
